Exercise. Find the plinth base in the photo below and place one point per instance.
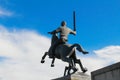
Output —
(75, 76)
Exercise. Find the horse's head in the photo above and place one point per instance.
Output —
(54, 37)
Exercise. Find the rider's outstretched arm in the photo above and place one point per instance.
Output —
(72, 32)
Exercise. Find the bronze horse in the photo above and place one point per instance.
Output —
(66, 53)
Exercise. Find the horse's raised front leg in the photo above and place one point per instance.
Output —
(81, 66)
(42, 60)
(52, 64)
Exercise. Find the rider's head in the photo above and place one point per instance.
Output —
(63, 23)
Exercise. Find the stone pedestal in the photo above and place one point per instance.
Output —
(76, 76)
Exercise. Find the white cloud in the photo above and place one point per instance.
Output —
(5, 13)
(23, 50)
(94, 63)
(102, 57)
(111, 52)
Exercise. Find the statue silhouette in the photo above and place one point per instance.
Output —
(65, 52)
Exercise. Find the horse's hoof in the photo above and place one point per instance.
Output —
(52, 65)
(75, 69)
(42, 61)
(84, 70)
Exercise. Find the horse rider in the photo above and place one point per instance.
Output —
(63, 38)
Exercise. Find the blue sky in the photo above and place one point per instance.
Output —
(23, 35)
(97, 21)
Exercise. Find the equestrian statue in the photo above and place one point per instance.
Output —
(60, 49)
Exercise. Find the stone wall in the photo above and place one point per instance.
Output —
(111, 72)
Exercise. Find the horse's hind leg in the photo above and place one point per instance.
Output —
(66, 68)
(69, 60)
(42, 60)
(71, 65)
(81, 66)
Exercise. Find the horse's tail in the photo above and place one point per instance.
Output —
(72, 50)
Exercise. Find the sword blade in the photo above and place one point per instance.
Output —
(74, 21)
